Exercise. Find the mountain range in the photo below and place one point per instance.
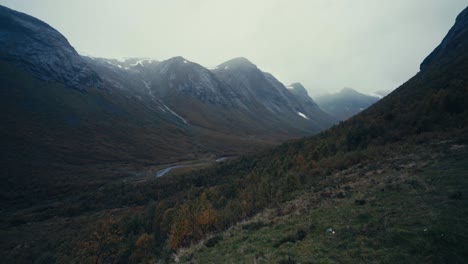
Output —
(63, 110)
(79, 133)
(234, 97)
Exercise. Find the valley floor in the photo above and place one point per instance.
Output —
(407, 206)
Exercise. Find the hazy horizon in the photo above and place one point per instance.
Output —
(325, 45)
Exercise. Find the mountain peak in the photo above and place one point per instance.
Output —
(453, 41)
(177, 59)
(35, 46)
(298, 88)
(348, 90)
(179, 64)
(237, 63)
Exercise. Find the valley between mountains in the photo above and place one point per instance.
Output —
(72, 117)
(143, 161)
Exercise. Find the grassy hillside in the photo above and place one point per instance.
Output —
(56, 139)
(405, 208)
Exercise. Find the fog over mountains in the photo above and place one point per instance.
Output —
(345, 103)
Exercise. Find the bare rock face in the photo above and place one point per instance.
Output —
(37, 47)
(180, 77)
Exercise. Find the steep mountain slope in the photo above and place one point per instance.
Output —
(187, 87)
(451, 46)
(268, 96)
(345, 103)
(32, 44)
(398, 208)
(61, 121)
(236, 99)
(381, 93)
(131, 74)
(309, 104)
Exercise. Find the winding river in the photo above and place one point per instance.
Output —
(164, 171)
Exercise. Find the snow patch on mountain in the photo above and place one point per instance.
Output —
(175, 114)
(302, 115)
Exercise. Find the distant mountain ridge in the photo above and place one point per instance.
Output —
(253, 100)
(346, 103)
(309, 104)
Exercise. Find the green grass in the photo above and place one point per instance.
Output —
(409, 217)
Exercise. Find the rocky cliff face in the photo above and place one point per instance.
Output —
(178, 77)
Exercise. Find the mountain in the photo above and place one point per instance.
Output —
(308, 103)
(267, 97)
(450, 47)
(235, 98)
(72, 122)
(345, 103)
(381, 93)
(32, 44)
(61, 121)
(124, 73)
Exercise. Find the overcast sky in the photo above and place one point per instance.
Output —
(326, 45)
